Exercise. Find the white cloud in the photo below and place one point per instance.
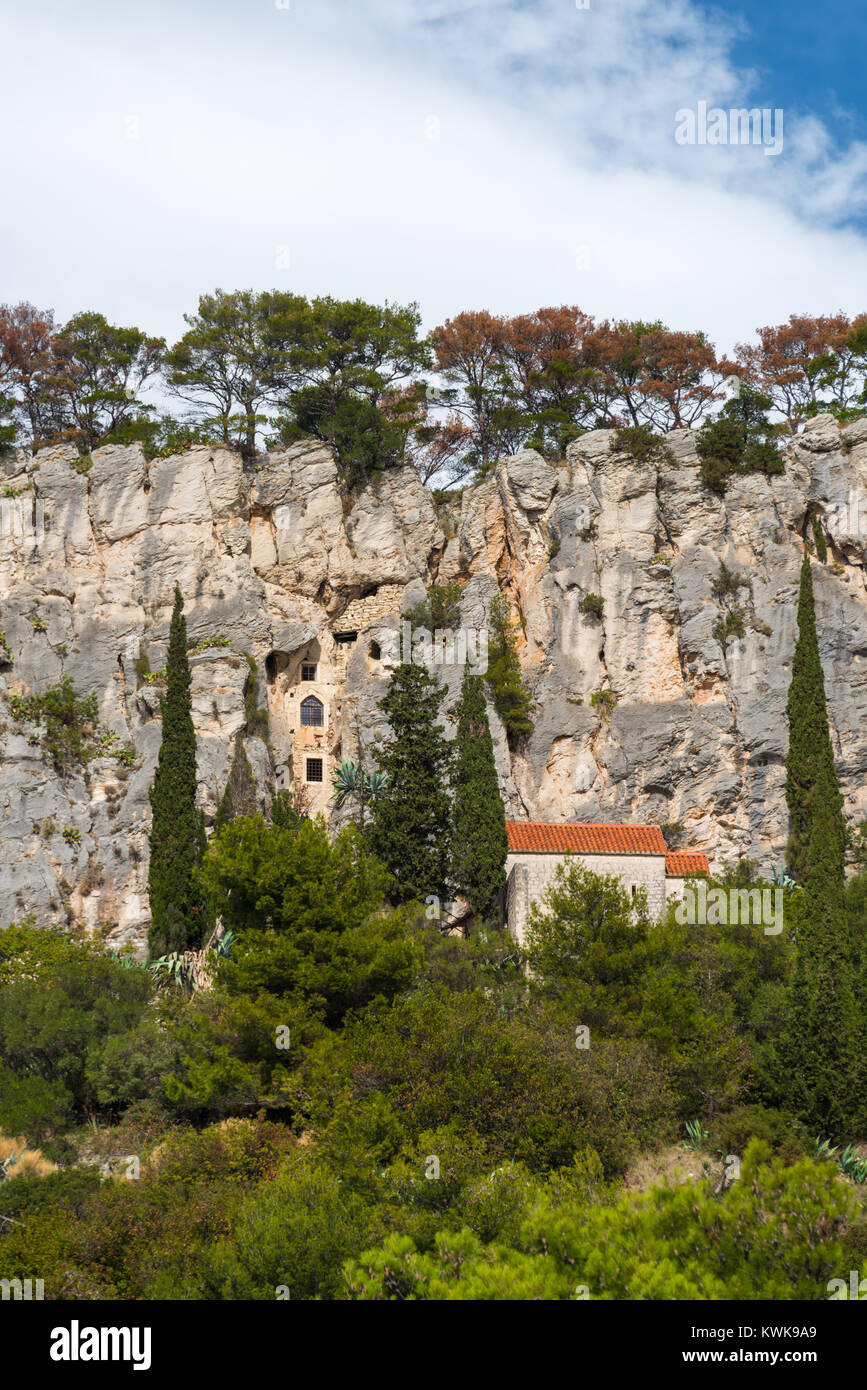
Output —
(308, 128)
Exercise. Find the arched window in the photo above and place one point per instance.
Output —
(312, 712)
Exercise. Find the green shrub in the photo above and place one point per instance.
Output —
(61, 1001)
(820, 539)
(740, 440)
(257, 720)
(69, 1190)
(69, 721)
(440, 609)
(643, 445)
(731, 625)
(142, 664)
(604, 701)
(786, 1136)
(592, 605)
(727, 583)
(205, 644)
(512, 700)
(774, 1234)
(294, 1233)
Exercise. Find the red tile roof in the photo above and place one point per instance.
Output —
(686, 862)
(532, 837)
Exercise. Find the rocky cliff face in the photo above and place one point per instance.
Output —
(310, 584)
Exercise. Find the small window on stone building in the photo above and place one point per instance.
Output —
(312, 712)
(314, 770)
(375, 651)
(308, 671)
(634, 889)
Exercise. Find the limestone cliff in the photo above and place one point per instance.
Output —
(309, 583)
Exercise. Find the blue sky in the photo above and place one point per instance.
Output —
(503, 154)
(813, 56)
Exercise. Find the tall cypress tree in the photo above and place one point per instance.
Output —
(820, 1047)
(177, 832)
(410, 822)
(810, 761)
(821, 1044)
(479, 837)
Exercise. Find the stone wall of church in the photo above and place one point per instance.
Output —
(528, 875)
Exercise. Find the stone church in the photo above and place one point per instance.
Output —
(634, 853)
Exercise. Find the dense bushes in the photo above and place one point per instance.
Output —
(70, 1031)
(774, 1234)
(403, 1114)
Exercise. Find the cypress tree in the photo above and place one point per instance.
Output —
(478, 817)
(810, 761)
(820, 1045)
(177, 832)
(410, 826)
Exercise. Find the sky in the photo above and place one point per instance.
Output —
(498, 154)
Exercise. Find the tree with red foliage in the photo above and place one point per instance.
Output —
(546, 356)
(809, 364)
(680, 377)
(648, 374)
(469, 353)
(27, 337)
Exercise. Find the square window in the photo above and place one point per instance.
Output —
(308, 672)
(314, 770)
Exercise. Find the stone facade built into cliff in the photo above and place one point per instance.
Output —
(280, 562)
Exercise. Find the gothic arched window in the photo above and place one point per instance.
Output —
(312, 712)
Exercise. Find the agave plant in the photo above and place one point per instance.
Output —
(350, 780)
(695, 1134)
(7, 1162)
(176, 967)
(853, 1165)
(223, 945)
(126, 961)
(782, 880)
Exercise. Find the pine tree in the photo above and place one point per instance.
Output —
(820, 1048)
(177, 832)
(410, 821)
(512, 700)
(478, 817)
(810, 761)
